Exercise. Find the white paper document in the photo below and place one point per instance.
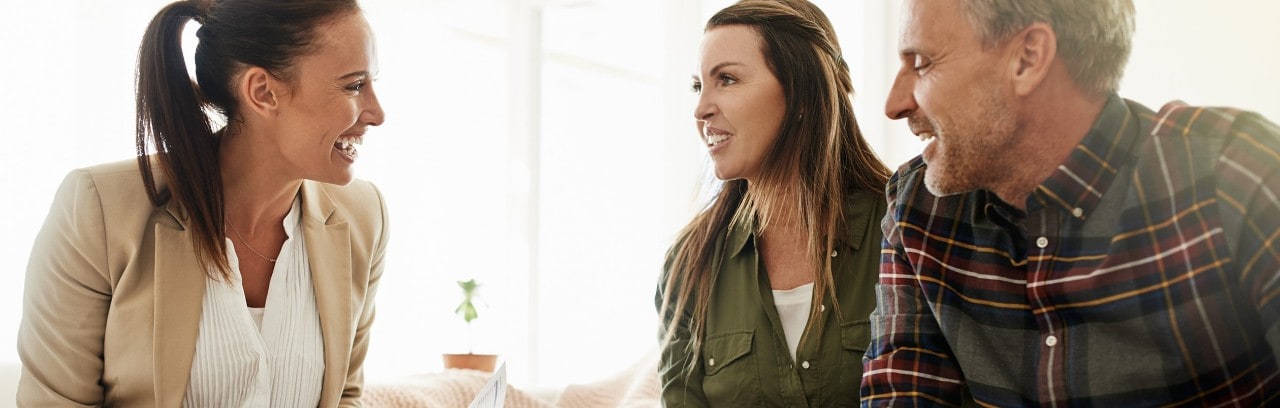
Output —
(495, 390)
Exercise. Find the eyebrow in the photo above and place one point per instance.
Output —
(355, 75)
(720, 67)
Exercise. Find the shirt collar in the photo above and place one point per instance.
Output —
(292, 221)
(1077, 185)
(739, 234)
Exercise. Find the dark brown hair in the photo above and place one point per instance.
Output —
(818, 158)
(171, 109)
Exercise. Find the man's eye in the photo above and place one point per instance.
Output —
(919, 63)
(356, 87)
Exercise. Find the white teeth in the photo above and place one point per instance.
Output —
(926, 136)
(348, 144)
(713, 140)
(355, 140)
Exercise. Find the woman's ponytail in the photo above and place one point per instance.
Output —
(172, 121)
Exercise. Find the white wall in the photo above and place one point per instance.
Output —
(1224, 52)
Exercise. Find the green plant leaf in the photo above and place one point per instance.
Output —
(467, 309)
(469, 286)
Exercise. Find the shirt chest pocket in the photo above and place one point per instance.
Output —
(732, 375)
(855, 337)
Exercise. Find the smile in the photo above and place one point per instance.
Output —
(715, 136)
(712, 141)
(347, 145)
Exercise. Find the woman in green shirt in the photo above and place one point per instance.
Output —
(765, 295)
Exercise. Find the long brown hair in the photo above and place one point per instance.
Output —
(818, 159)
(171, 116)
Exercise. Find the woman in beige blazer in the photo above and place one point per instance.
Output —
(120, 274)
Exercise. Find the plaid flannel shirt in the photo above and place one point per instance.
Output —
(1145, 271)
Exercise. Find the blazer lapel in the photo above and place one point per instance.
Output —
(179, 295)
(328, 241)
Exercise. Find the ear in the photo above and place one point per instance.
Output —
(1034, 51)
(259, 91)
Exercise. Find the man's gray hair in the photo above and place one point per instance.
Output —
(1094, 36)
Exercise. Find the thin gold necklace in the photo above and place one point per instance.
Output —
(246, 243)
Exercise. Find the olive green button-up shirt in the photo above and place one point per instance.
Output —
(744, 360)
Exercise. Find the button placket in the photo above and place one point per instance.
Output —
(1041, 225)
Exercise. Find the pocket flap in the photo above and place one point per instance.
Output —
(856, 335)
(724, 348)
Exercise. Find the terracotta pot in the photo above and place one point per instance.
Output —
(481, 362)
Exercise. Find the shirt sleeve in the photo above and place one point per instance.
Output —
(1248, 189)
(681, 387)
(65, 300)
(909, 362)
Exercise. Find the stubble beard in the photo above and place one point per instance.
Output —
(975, 148)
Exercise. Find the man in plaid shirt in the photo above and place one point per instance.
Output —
(1056, 245)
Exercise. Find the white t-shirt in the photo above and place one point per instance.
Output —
(793, 309)
(257, 313)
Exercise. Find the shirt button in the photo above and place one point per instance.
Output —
(822, 308)
(834, 253)
(805, 365)
(1051, 341)
(1042, 242)
(1077, 212)
(711, 362)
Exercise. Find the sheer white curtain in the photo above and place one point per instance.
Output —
(618, 157)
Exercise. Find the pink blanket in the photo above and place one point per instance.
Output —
(635, 386)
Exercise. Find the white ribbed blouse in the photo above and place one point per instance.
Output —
(276, 363)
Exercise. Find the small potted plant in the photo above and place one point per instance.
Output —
(468, 311)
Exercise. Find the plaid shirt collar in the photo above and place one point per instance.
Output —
(1078, 184)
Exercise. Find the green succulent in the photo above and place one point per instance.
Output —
(468, 309)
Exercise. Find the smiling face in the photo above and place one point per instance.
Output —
(741, 103)
(955, 95)
(330, 103)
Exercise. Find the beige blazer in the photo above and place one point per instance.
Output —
(113, 293)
